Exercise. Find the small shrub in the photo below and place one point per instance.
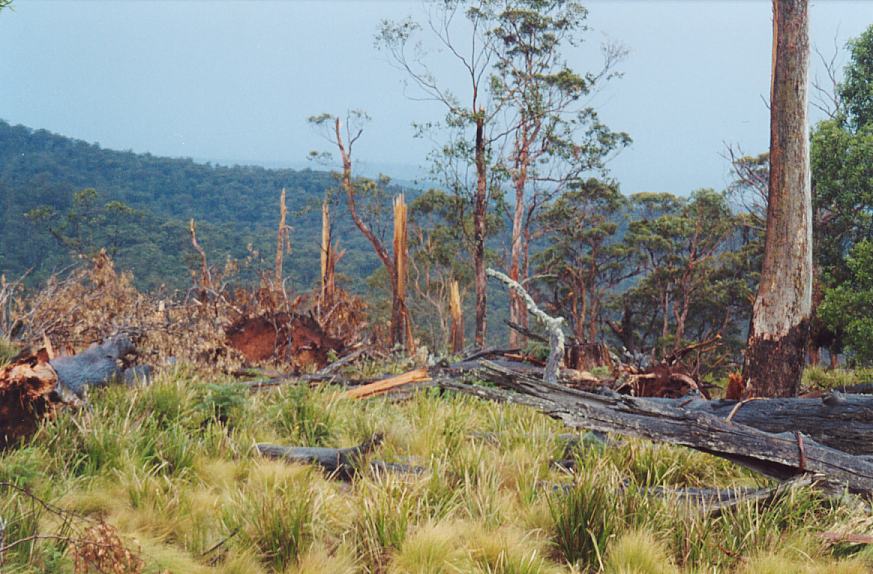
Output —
(222, 403)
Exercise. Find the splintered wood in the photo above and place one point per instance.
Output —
(457, 333)
(385, 385)
(401, 325)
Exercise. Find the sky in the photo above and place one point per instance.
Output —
(233, 82)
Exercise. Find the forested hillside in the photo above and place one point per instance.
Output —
(142, 206)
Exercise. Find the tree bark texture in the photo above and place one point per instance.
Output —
(479, 229)
(780, 320)
(456, 335)
(780, 455)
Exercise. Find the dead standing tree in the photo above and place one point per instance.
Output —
(781, 315)
(283, 241)
(474, 53)
(344, 138)
(456, 336)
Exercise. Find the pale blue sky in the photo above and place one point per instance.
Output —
(234, 81)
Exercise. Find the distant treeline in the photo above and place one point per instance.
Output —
(140, 207)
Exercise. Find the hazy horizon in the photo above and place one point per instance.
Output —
(234, 82)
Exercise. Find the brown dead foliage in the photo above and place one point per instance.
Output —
(216, 326)
(101, 549)
(26, 394)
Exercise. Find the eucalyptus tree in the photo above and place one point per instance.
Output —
(584, 260)
(781, 314)
(691, 274)
(554, 135)
(524, 121)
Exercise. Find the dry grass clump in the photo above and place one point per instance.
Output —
(639, 552)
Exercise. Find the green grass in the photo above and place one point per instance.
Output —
(172, 468)
(7, 350)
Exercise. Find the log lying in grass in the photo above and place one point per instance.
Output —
(843, 422)
(343, 463)
(783, 455)
(33, 386)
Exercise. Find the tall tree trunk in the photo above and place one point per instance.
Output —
(328, 261)
(479, 215)
(401, 328)
(517, 309)
(781, 314)
(281, 240)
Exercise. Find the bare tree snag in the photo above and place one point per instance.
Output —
(456, 335)
(400, 333)
(328, 261)
(780, 320)
(401, 327)
(205, 277)
(554, 325)
(283, 240)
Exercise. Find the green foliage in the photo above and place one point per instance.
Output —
(848, 307)
(585, 518)
(856, 89)
(78, 198)
(698, 272)
(298, 413)
(222, 403)
(7, 350)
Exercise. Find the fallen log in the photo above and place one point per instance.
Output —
(340, 462)
(843, 422)
(783, 455)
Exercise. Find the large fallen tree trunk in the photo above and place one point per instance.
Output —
(780, 455)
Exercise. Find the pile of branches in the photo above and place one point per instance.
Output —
(215, 325)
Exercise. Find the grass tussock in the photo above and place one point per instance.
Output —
(171, 468)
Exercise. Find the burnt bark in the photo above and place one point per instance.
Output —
(780, 319)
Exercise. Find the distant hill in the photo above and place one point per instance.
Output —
(235, 207)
